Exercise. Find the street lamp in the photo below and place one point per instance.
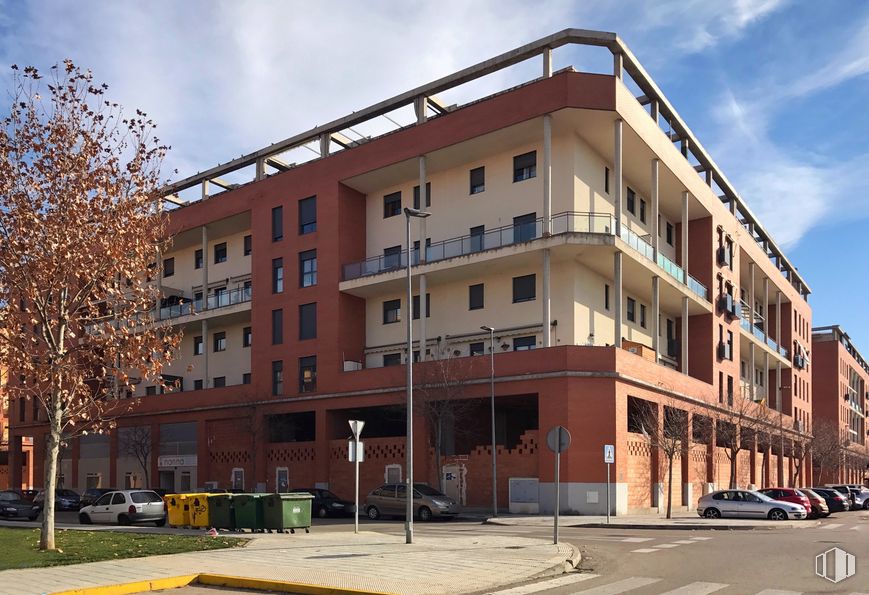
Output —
(408, 523)
(492, 398)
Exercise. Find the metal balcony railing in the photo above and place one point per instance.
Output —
(745, 323)
(215, 301)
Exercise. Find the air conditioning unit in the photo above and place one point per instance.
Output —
(724, 256)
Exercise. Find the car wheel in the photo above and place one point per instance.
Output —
(84, 519)
(712, 513)
(777, 514)
(373, 513)
(33, 517)
(160, 523)
(322, 512)
(123, 519)
(425, 514)
(866, 505)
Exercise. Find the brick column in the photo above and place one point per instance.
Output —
(687, 485)
(321, 447)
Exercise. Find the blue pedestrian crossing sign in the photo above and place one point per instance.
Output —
(609, 453)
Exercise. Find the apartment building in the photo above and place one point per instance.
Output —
(840, 376)
(576, 214)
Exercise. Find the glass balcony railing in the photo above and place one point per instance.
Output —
(216, 300)
(745, 323)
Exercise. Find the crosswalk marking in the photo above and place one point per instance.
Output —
(644, 550)
(778, 592)
(685, 541)
(699, 588)
(622, 586)
(700, 538)
(667, 545)
(561, 581)
(832, 526)
(636, 539)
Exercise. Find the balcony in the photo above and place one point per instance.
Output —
(746, 325)
(215, 301)
(566, 222)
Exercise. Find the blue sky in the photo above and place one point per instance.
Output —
(775, 89)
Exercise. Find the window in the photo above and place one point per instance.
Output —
(308, 268)
(308, 374)
(392, 205)
(221, 298)
(730, 344)
(476, 296)
(391, 311)
(391, 359)
(631, 202)
(245, 378)
(219, 341)
(606, 180)
(308, 321)
(198, 348)
(730, 390)
(248, 245)
(524, 288)
(416, 250)
(277, 327)
(238, 478)
(416, 306)
(277, 378)
(277, 275)
(632, 310)
(478, 348)
(168, 267)
(246, 336)
(478, 180)
(524, 227)
(643, 315)
(150, 391)
(642, 211)
(524, 343)
(277, 224)
(427, 195)
(197, 259)
(219, 381)
(606, 296)
(197, 384)
(220, 253)
(308, 215)
(524, 166)
(670, 233)
(392, 257)
(477, 234)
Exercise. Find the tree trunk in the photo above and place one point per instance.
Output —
(46, 539)
(438, 456)
(670, 487)
(733, 457)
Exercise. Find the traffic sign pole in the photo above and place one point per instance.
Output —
(356, 428)
(557, 439)
(557, 495)
(609, 457)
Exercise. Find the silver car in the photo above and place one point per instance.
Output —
(391, 499)
(747, 504)
(125, 507)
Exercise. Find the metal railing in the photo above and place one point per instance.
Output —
(745, 323)
(223, 299)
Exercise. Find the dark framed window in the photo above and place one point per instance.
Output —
(478, 180)
(416, 250)
(631, 205)
(246, 336)
(277, 378)
(308, 215)
(277, 327)
(150, 391)
(168, 267)
(277, 224)
(477, 235)
(245, 378)
(476, 296)
(219, 381)
(524, 288)
(730, 344)
(392, 205)
(670, 231)
(198, 346)
(524, 343)
(525, 227)
(248, 245)
(308, 321)
(219, 341)
(606, 296)
(478, 348)
(643, 315)
(307, 268)
(427, 195)
(277, 275)
(308, 374)
(391, 359)
(416, 306)
(642, 211)
(525, 166)
(392, 257)
(197, 259)
(221, 297)
(197, 384)
(631, 312)
(220, 253)
(391, 311)
(606, 180)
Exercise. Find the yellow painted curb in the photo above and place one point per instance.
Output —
(172, 582)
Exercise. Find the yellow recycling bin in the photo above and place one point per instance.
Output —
(179, 512)
(198, 505)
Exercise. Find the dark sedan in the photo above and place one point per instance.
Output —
(836, 501)
(326, 504)
(13, 507)
(63, 500)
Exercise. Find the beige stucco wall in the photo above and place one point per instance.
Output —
(230, 273)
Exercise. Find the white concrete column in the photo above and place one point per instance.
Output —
(204, 189)
(260, 169)
(766, 377)
(547, 62)
(751, 365)
(751, 296)
(684, 335)
(656, 315)
(325, 141)
(655, 206)
(617, 175)
(685, 233)
(766, 309)
(547, 312)
(204, 353)
(423, 282)
(547, 175)
(618, 65)
(204, 305)
(420, 106)
(654, 110)
(617, 298)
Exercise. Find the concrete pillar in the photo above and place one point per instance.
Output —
(751, 372)
(752, 464)
(657, 466)
(618, 175)
(547, 62)
(547, 175)
(751, 295)
(204, 353)
(260, 169)
(685, 147)
(709, 177)
(204, 248)
(766, 378)
(685, 335)
(423, 282)
(654, 110)
(420, 107)
(618, 65)
(325, 141)
(204, 189)
(685, 233)
(766, 309)
(547, 306)
(617, 295)
(656, 315)
(656, 206)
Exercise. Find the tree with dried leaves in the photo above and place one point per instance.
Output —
(135, 442)
(80, 223)
(828, 447)
(736, 426)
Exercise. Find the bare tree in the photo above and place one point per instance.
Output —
(79, 182)
(135, 442)
(827, 446)
(736, 426)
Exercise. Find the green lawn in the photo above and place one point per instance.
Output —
(20, 547)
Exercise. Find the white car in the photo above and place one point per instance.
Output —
(125, 508)
(747, 504)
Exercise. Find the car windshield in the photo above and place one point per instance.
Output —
(426, 490)
(8, 496)
(66, 493)
(328, 494)
(143, 497)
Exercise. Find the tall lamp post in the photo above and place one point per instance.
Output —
(408, 523)
(492, 399)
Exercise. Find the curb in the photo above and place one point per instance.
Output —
(684, 527)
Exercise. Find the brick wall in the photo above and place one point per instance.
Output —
(639, 474)
(379, 452)
(521, 461)
(297, 457)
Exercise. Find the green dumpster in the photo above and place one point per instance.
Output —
(221, 511)
(248, 511)
(287, 511)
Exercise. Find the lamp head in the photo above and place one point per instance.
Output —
(416, 213)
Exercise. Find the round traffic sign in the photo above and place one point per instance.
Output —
(558, 439)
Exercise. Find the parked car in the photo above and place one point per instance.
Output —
(788, 495)
(325, 503)
(747, 504)
(836, 501)
(857, 495)
(391, 499)
(91, 495)
(12, 506)
(125, 507)
(819, 505)
(63, 500)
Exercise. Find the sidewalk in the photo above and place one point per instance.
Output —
(367, 562)
(680, 520)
